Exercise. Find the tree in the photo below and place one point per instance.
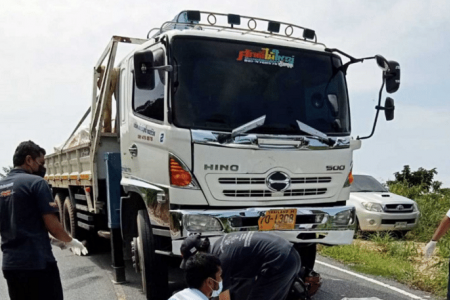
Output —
(421, 177)
(6, 170)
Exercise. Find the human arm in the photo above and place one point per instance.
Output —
(56, 229)
(442, 229)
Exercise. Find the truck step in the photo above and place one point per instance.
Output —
(104, 234)
(82, 207)
(87, 218)
(85, 226)
(80, 197)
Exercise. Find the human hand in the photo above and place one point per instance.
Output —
(77, 247)
(429, 249)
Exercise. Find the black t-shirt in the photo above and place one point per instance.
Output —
(245, 255)
(24, 199)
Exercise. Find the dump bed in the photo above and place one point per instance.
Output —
(73, 166)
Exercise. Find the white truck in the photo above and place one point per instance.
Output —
(221, 125)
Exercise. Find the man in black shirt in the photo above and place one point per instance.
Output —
(255, 265)
(26, 219)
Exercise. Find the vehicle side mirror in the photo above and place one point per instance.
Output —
(393, 77)
(389, 109)
(382, 62)
(144, 73)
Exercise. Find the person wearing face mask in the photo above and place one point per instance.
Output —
(203, 275)
(26, 219)
(256, 265)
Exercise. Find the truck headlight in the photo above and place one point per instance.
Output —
(201, 223)
(415, 207)
(371, 206)
(343, 217)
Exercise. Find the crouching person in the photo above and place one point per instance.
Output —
(255, 265)
(203, 275)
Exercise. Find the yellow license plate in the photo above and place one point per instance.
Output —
(278, 219)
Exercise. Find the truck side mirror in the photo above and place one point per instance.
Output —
(144, 73)
(382, 62)
(393, 77)
(389, 109)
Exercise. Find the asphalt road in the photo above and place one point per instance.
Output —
(91, 277)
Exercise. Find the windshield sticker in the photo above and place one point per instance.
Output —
(266, 57)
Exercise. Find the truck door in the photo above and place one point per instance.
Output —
(144, 147)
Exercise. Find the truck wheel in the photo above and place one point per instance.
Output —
(307, 254)
(153, 267)
(69, 218)
(59, 204)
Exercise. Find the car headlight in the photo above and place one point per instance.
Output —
(201, 223)
(343, 217)
(371, 206)
(415, 207)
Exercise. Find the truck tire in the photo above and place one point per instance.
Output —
(154, 270)
(59, 205)
(68, 219)
(307, 254)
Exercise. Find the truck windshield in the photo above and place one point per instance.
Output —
(221, 85)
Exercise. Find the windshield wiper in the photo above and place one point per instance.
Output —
(223, 138)
(316, 134)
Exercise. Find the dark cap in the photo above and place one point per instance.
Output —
(191, 246)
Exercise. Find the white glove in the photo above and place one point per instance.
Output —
(77, 247)
(429, 249)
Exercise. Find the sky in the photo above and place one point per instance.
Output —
(49, 49)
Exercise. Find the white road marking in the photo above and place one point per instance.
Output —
(372, 280)
(371, 298)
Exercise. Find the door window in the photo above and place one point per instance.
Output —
(150, 103)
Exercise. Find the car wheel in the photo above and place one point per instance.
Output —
(153, 267)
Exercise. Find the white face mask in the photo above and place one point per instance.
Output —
(216, 293)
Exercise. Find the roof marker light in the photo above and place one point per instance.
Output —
(234, 20)
(273, 27)
(309, 34)
(193, 16)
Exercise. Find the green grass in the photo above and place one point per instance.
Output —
(402, 260)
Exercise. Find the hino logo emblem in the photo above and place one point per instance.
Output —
(400, 207)
(278, 181)
(233, 168)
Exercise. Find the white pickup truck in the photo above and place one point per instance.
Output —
(220, 125)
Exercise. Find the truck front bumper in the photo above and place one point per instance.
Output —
(328, 225)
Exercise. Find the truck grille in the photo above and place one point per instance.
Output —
(261, 180)
(268, 193)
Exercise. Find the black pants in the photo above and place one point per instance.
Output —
(276, 285)
(34, 284)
